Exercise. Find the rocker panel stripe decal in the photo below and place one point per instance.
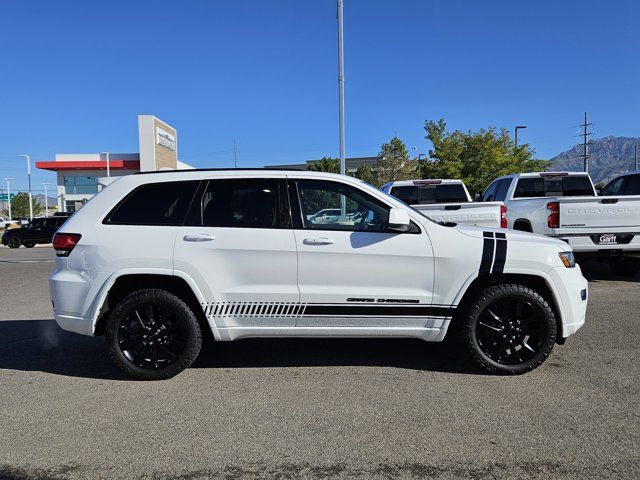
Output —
(378, 311)
(296, 310)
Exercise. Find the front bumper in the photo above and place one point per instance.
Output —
(570, 287)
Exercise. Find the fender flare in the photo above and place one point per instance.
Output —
(100, 298)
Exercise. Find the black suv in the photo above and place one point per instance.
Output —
(40, 230)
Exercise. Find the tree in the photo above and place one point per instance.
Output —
(325, 164)
(476, 158)
(365, 174)
(20, 206)
(394, 163)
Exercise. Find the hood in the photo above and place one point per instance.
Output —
(513, 235)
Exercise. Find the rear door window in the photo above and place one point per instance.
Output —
(244, 203)
(163, 203)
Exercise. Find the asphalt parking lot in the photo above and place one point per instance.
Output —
(315, 408)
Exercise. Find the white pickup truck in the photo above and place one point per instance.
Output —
(565, 205)
(447, 201)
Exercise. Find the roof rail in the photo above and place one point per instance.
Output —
(220, 170)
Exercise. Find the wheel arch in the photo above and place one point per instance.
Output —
(128, 283)
(536, 282)
(524, 224)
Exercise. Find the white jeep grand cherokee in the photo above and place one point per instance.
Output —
(155, 259)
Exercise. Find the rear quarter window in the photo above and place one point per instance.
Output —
(164, 203)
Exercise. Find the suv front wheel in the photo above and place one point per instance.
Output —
(153, 335)
(509, 329)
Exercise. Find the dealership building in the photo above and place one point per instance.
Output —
(81, 175)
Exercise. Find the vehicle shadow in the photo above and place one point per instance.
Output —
(596, 271)
(39, 345)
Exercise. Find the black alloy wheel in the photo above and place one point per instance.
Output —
(511, 329)
(13, 242)
(153, 335)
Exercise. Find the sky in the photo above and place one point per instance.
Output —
(74, 75)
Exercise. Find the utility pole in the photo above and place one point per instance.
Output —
(341, 88)
(585, 135)
(46, 200)
(26, 157)
(518, 127)
(235, 158)
(9, 194)
(108, 171)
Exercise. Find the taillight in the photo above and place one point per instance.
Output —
(503, 216)
(553, 220)
(64, 243)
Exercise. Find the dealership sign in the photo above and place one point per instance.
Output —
(165, 139)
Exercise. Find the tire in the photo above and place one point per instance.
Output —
(149, 321)
(29, 244)
(13, 242)
(624, 266)
(509, 329)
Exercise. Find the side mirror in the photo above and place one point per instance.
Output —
(399, 220)
(477, 197)
(598, 192)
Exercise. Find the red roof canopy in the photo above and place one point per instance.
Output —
(89, 165)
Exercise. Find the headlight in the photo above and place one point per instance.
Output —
(568, 259)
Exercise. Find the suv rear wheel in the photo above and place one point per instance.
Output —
(153, 335)
(509, 329)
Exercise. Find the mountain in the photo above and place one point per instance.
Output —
(609, 156)
(40, 199)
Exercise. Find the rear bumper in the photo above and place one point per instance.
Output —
(83, 326)
(571, 287)
(69, 290)
(585, 244)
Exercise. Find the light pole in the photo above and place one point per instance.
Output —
(46, 199)
(108, 171)
(29, 177)
(9, 194)
(516, 135)
(341, 88)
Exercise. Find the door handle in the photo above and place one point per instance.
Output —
(198, 237)
(318, 241)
